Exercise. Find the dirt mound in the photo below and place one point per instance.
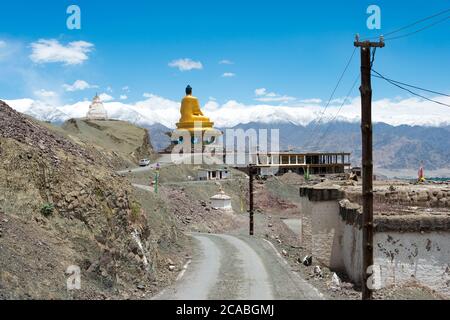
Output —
(267, 202)
(198, 215)
(59, 208)
(292, 178)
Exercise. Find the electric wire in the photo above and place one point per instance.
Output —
(393, 82)
(412, 25)
(316, 123)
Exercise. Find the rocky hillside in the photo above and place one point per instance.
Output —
(62, 206)
(159, 136)
(118, 140)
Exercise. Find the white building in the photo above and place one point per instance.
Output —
(221, 202)
(213, 174)
(96, 110)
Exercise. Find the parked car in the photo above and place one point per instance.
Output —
(144, 162)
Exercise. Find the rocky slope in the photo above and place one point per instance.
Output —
(61, 205)
(116, 140)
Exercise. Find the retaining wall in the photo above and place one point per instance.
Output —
(405, 247)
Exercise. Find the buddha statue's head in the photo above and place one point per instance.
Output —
(189, 90)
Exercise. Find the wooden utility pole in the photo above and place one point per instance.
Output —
(251, 173)
(367, 161)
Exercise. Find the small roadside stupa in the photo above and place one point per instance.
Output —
(221, 201)
(96, 110)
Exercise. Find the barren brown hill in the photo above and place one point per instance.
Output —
(119, 140)
(61, 206)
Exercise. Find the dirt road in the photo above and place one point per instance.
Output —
(227, 267)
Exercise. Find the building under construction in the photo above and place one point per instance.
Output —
(314, 163)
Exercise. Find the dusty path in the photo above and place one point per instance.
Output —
(226, 267)
(142, 187)
(138, 169)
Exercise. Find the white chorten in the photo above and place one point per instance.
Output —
(221, 201)
(96, 110)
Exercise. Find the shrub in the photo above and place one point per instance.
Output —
(47, 209)
(136, 211)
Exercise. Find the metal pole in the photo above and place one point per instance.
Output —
(251, 195)
(157, 177)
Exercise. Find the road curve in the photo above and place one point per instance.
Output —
(226, 267)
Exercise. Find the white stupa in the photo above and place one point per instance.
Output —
(96, 110)
(221, 201)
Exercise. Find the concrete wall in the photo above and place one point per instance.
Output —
(351, 244)
(326, 230)
(223, 204)
(326, 233)
(399, 257)
(422, 254)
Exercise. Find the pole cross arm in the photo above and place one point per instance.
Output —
(369, 44)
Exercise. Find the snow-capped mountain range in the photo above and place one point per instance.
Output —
(401, 141)
(156, 109)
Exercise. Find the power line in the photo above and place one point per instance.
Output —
(417, 31)
(331, 98)
(409, 85)
(345, 100)
(339, 110)
(415, 23)
(410, 91)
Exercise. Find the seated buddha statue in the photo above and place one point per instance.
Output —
(191, 115)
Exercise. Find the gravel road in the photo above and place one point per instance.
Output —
(228, 267)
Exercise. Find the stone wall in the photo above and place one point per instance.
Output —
(408, 195)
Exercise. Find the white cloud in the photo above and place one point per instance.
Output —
(186, 64)
(225, 61)
(123, 97)
(263, 96)
(106, 97)
(109, 89)
(314, 101)
(2, 44)
(228, 75)
(260, 92)
(21, 105)
(52, 51)
(276, 99)
(147, 95)
(78, 85)
(156, 109)
(211, 105)
(126, 89)
(45, 94)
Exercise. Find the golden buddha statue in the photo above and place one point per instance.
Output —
(192, 118)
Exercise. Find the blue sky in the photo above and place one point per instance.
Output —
(294, 49)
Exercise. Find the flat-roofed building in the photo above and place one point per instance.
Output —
(213, 174)
(315, 163)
